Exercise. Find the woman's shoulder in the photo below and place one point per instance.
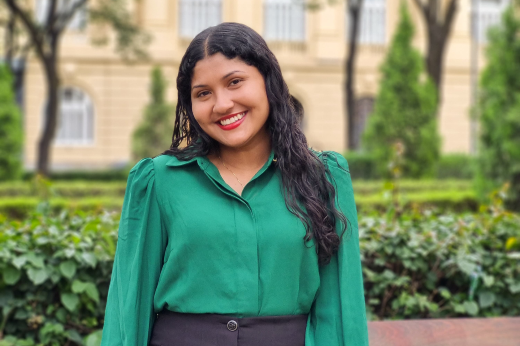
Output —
(332, 159)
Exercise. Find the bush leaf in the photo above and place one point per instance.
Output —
(37, 276)
(68, 269)
(11, 275)
(70, 301)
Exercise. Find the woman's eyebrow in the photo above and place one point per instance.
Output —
(204, 85)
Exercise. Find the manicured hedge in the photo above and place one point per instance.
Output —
(55, 271)
(449, 166)
(81, 188)
(454, 200)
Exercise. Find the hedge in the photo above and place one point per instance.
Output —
(55, 271)
(79, 189)
(449, 166)
(454, 200)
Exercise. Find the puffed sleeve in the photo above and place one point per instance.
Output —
(338, 316)
(141, 242)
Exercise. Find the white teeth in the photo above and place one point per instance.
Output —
(233, 119)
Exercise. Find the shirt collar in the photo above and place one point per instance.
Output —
(204, 162)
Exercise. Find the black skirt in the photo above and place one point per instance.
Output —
(179, 329)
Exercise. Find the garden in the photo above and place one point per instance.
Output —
(439, 233)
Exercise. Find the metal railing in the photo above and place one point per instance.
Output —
(284, 20)
(197, 15)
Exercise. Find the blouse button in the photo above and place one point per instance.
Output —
(232, 325)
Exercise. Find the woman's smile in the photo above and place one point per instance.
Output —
(232, 121)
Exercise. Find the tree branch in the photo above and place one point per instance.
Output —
(65, 17)
(29, 25)
(450, 15)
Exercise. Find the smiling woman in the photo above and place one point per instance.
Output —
(239, 234)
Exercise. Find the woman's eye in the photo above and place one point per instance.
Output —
(235, 81)
(203, 93)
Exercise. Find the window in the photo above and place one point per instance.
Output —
(364, 107)
(284, 20)
(78, 20)
(372, 24)
(197, 15)
(485, 14)
(75, 118)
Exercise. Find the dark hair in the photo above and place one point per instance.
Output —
(307, 192)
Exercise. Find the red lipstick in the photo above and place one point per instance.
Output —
(232, 125)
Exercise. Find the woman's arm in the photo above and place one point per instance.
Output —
(129, 313)
(338, 316)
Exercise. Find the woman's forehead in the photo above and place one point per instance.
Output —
(217, 66)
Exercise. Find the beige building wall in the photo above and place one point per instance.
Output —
(313, 70)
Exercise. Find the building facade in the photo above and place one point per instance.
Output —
(102, 98)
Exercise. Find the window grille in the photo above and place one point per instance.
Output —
(75, 118)
(78, 20)
(486, 14)
(284, 20)
(372, 23)
(197, 15)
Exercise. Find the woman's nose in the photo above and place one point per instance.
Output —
(223, 103)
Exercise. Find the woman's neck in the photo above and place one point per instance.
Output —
(247, 158)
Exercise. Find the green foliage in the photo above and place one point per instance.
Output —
(54, 277)
(116, 174)
(456, 166)
(10, 129)
(499, 108)
(423, 265)
(362, 165)
(405, 109)
(55, 271)
(153, 135)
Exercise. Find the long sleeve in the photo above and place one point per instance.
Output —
(137, 265)
(338, 316)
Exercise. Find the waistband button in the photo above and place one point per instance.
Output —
(232, 325)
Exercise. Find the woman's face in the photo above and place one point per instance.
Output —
(229, 101)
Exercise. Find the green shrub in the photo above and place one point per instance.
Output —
(55, 274)
(361, 165)
(10, 129)
(440, 266)
(119, 174)
(499, 108)
(153, 136)
(456, 166)
(55, 271)
(405, 109)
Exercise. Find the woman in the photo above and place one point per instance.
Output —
(242, 236)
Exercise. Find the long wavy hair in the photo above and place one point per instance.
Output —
(308, 193)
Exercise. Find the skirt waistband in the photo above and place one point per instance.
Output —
(182, 329)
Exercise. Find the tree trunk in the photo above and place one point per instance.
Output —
(434, 59)
(51, 109)
(350, 97)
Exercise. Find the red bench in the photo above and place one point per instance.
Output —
(500, 331)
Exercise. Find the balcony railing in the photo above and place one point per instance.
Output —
(197, 15)
(372, 24)
(484, 15)
(284, 20)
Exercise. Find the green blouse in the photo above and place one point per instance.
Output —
(189, 243)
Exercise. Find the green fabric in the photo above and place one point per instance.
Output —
(189, 243)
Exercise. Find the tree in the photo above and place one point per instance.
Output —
(43, 37)
(499, 109)
(10, 129)
(439, 22)
(354, 8)
(153, 135)
(405, 108)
